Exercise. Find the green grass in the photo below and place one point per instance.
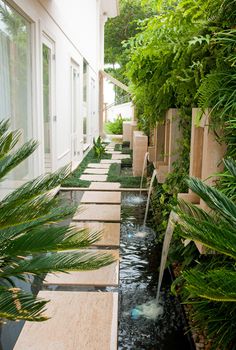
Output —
(126, 144)
(118, 147)
(127, 162)
(114, 175)
(73, 179)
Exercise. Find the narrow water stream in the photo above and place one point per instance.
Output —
(139, 269)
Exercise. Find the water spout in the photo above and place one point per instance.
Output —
(173, 218)
(154, 174)
(146, 158)
(153, 309)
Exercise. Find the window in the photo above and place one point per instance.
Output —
(15, 76)
(85, 102)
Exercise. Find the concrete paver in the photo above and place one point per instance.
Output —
(88, 177)
(101, 197)
(110, 161)
(78, 320)
(105, 276)
(104, 185)
(109, 231)
(99, 212)
(98, 166)
(96, 171)
(120, 156)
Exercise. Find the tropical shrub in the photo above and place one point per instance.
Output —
(210, 287)
(99, 147)
(115, 127)
(31, 241)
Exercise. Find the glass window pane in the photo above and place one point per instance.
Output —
(15, 76)
(46, 96)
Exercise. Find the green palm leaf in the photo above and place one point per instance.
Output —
(216, 285)
(46, 239)
(214, 199)
(18, 305)
(57, 262)
(10, 161)
(213, 232)
(31, 242)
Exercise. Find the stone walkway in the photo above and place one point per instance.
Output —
(85, 320)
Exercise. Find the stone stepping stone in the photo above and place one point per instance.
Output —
(114, 152)
(110, 232)
(105, 276)
(98, 212)
(110, 161)
(88, 177)
(98, 166)
(96, 171)
(101, 197)
(78, 320)
(104, 185)
(120, 156)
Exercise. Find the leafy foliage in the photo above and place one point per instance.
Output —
(214, 286)
(99, 147)
(30, 244)
(115, 127)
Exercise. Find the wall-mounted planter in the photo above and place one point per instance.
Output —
(206, 156)
(167, 138)
(128, 130)
(140, 146)
(151, 152)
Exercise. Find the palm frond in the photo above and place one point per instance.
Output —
(214, 199)
(18, 305)
(56, 214)
(4, 126)
(214, 233)
(10, 161)
(216, 285)
(36, 187)
(230, 166)
(48, 239)
(58, 262)
(218, 318)
(8, 142)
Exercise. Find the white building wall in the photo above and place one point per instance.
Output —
(76, 28)
(126, 110)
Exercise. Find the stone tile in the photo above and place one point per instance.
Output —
(120, 156)
(98, 166)
(101, 197)
(96, 171)
(110, 161)
(78, 320)
(105, 276)
(110, 232)
(98, 212)
(104, 185)
(88, 177)
(114, 152)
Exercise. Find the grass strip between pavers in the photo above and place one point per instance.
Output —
(114, 175)
(73, 180)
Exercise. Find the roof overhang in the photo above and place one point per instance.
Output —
(110, 8)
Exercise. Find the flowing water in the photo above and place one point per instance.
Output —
(140, 261)
(144, 167)
(154, 174)
(165, 249)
